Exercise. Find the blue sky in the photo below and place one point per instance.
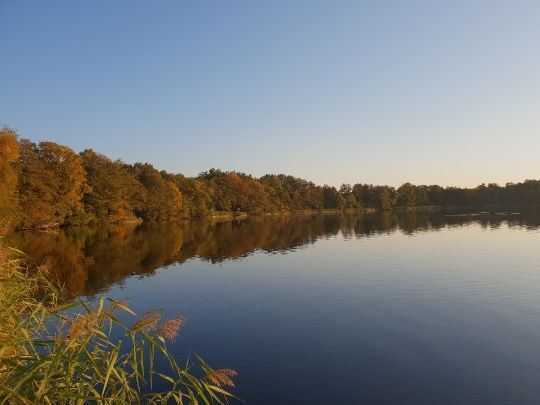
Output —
(443, 92)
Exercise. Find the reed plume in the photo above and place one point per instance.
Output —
(170, 328)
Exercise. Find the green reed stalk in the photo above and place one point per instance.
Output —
(83, 353)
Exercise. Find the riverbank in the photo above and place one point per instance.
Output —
(230, 215)
(226, 216)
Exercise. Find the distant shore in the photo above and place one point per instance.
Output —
(226, 216)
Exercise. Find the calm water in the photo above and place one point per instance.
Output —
(333, 310)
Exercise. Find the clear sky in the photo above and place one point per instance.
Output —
(443, 92)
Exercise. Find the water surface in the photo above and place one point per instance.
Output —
(333, 309)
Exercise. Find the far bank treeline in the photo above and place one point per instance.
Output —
(47, 184)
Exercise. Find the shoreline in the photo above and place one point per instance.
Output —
(226, 216)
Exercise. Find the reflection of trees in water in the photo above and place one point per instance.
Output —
(89, 260)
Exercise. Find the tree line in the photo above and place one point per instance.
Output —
(46, 184)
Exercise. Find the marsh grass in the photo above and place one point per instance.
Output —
(83, 352)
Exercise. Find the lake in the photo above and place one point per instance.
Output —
(386, 309)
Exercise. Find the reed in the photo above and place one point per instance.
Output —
(81, 352)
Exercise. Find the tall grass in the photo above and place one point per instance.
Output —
(83, 353)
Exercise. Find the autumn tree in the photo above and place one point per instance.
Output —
(163, 200)
(49, 185)
(197, 201)
(332, 199)
(52, 184)
(386, 198)
(9, 153)
(114, 194)
(347, 196)
(406, 195)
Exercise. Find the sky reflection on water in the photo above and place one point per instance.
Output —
(375, 309)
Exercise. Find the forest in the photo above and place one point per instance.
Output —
(46, 185)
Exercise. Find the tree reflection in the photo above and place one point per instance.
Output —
(89, 260)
